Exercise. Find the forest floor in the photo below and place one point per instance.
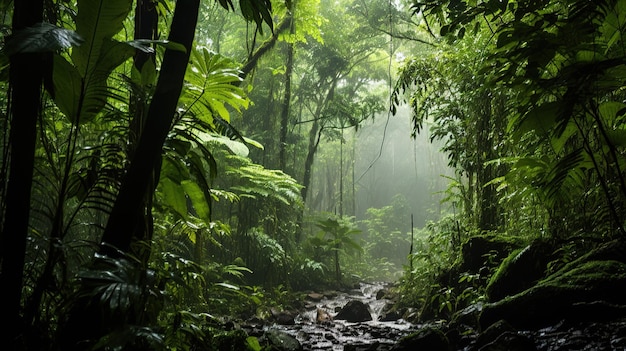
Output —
(334, 334)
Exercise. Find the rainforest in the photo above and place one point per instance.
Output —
(288, 175)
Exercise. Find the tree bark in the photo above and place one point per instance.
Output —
(25, 78)
(146, 27)
(127, 211)
(251, 63)
(284, 115)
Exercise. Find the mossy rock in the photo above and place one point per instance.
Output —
(231, 341)
(521, 270)
(563, 295)
(427, 338)
(485, 250)
(479, 253)
(278, 340)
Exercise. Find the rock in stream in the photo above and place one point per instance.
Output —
(346, 321)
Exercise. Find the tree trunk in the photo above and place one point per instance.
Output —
(284, 115)
(314, 140)
(251, 63)
(25, 78)
(146, 27)
(127, 212)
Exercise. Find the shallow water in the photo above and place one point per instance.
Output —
(339, 333)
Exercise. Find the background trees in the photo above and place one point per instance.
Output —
(526, 98)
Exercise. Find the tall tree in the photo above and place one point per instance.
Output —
(286, 103)
(26, 76)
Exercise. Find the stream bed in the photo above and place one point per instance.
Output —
(305, 331)
(338, 334)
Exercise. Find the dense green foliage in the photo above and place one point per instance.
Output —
(167, 165)
(527, 97)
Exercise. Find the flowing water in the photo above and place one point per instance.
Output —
(343, 335)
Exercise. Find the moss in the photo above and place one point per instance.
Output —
(522, 269)
(587, 275)
(503, 269)
(561, 295)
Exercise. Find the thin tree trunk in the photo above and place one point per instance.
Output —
(341, 175)
(284, 115)
(146, 27)
(26, 75)
(128, 209)
(251, 63)
(314, 139)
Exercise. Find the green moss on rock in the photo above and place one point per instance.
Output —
(561, 295)
(520, 270)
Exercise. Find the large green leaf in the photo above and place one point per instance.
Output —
(213, 86)
(612, 114)
(42, 37)
(174, 196)
(82, 98)
(97, 22)
(67, 86)
(540, 119)
(80, 88)
(258, 11)
(198, 199)
(613, 26)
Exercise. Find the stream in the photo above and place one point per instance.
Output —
(342, 335)
(374, 335)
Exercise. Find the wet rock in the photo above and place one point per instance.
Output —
(390, 313)
(376, 346)
(330, 294)
(280, 341)
(316, 297)
(354, 311)
(323, 317)
(425, 339)
(491, 334)
(469, 315)
(564, 295)
(384, 293)
(284, 317)
(521, 270)
(510, 341)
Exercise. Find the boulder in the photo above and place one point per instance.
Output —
(390, 313)
(280, 341)
(520, 270)
(284, 317)
(479, 250)
(354, 311)
(510, 341)
(490, 334)
(384, 293)
(428, 338)
(469, 315)
(571, 294)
